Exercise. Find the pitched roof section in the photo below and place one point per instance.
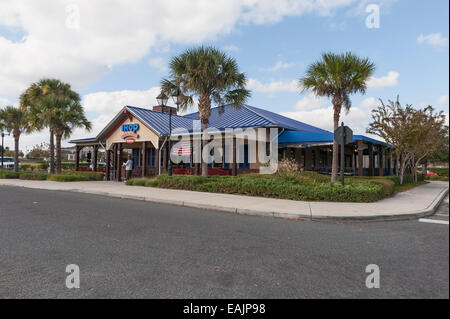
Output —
(159, 121)
(244, 117)
(250, 116)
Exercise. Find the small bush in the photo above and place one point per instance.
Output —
(43, 165)
(287, 166)
(6, 174)
(26, 167)
(33, 176)
(440, 171)
(387, 183)
(438, 178)
(271, 186)
(76, 177)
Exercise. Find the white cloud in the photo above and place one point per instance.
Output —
(158, 63)
(4, 102)
(273, 87)
(311, 102)
(231, 48)
(280, 65)
(357, 118)
(369, 103)
(434, 39)
(443, 101)
(88, 38)
(111, 102)
(391, 79)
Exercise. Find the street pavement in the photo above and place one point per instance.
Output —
(417, 202)
(136, 249)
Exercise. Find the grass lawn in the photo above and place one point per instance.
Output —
(306, 186)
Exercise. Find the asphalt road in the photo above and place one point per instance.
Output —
(127, 248)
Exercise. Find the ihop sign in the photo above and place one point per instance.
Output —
(130, 132)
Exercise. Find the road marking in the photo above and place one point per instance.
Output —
(433, 221)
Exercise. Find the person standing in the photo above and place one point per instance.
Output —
(128, 167)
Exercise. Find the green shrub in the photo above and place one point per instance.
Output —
(386, 182)
(33, 176)
(440, 171)
(438, 178)
(68, 165)
(25, 167)
(65, 178)
(7, 174)
(76, 177)
(43, 165)
(87, 176)
(271, 186)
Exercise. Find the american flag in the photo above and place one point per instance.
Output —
(183, 148)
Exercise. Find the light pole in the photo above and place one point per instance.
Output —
(3, 146)
(3, 150)
(177, 98)
(162, 100)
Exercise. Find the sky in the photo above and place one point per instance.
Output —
(115, 53)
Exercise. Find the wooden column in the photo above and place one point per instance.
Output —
(119, 162)
(94, 158)
(77, 157)
(234, 161)
(156, 159)
(144, 159)
(389, 164)
(107, 168)
(371, 160)
(360, 158)
(381, 160)
(164, 158)
(113, 162)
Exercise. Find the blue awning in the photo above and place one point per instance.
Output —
(296, 137)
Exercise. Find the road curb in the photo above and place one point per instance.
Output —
(252, 212)
(430, 210)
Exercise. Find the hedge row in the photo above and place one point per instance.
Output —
(66, 177)
(282, 188)
(440, 171)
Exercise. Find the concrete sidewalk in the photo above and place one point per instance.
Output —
(418, 202)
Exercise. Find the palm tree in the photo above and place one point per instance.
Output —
(63, 115)
(209, 75)
(30, 99)
(337, 76)
(15, 121)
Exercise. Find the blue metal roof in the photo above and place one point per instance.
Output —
(84, 140)
(159, 121)
(250, 116)
(293, 137)
(243, 117)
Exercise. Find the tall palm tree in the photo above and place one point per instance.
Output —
(209, 75)
(63, 115)
(30, 99)
(15, 121)
(337, 76)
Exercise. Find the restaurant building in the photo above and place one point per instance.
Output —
(143, 134)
